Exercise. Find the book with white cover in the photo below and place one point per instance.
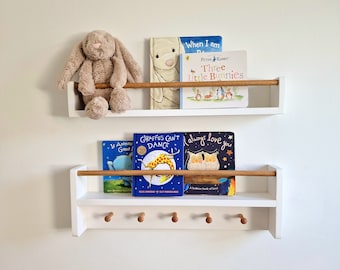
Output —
(213, 66)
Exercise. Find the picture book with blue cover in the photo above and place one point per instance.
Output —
(158, 151)
(209, 151)
(165, 67)
(117, 155)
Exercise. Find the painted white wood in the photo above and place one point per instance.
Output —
(239, 200)
(275, 214)
(261, 208)
(273, 94)
(78, 187)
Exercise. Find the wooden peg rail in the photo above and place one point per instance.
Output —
(175, 219)
(220, 173)
(143, 85)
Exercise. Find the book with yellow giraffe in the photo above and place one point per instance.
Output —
(158, 151)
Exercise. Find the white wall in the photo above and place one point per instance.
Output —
(39, 143)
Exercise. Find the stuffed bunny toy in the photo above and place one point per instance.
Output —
(101, 58)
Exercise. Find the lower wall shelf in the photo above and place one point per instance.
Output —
(256, 206)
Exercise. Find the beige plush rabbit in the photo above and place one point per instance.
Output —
(101, 58)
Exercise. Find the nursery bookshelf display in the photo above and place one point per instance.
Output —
(256, 205)
(265, 97)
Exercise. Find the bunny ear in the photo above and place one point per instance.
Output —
(134, 72)
(75, 60)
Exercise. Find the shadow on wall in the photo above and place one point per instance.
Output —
(61, 198)
(52, 72)
(36, 207)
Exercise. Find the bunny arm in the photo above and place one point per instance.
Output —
(86, 82)
(119, 75)
(74, 62)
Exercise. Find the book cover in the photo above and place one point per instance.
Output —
(158, 151)
(165, 67)
(216, 66)
(209, 151)
(117, 155)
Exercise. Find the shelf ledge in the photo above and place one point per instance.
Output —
(242, 199)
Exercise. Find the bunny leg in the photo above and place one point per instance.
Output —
(119, 100)
(97, 108)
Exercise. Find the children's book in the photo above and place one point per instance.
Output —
(117, 155)
(164, 64)
(209, 151)
(215, 66)
(158, 151)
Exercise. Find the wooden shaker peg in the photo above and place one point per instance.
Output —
(141, 217)
(243, 219)
(108, 217)
(208, 218)
(174, 217)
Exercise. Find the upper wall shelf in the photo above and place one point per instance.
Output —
(266, 97)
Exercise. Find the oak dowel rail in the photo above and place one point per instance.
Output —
(189, 84)
(220, 173)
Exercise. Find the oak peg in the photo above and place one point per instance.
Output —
(208, 218)
(141, 217)
(243, 219)
(108, 217)
(174, 217)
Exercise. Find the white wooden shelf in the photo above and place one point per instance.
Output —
(266, 97)
(258, 198)
(241, 199)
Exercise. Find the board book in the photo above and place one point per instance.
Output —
(215, 66)
(209, 151)
(158, 151)
(165, 67)
(117, 155)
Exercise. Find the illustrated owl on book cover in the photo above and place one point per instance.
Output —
(209, 151)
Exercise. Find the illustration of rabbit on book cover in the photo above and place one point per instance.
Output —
(165, 64)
